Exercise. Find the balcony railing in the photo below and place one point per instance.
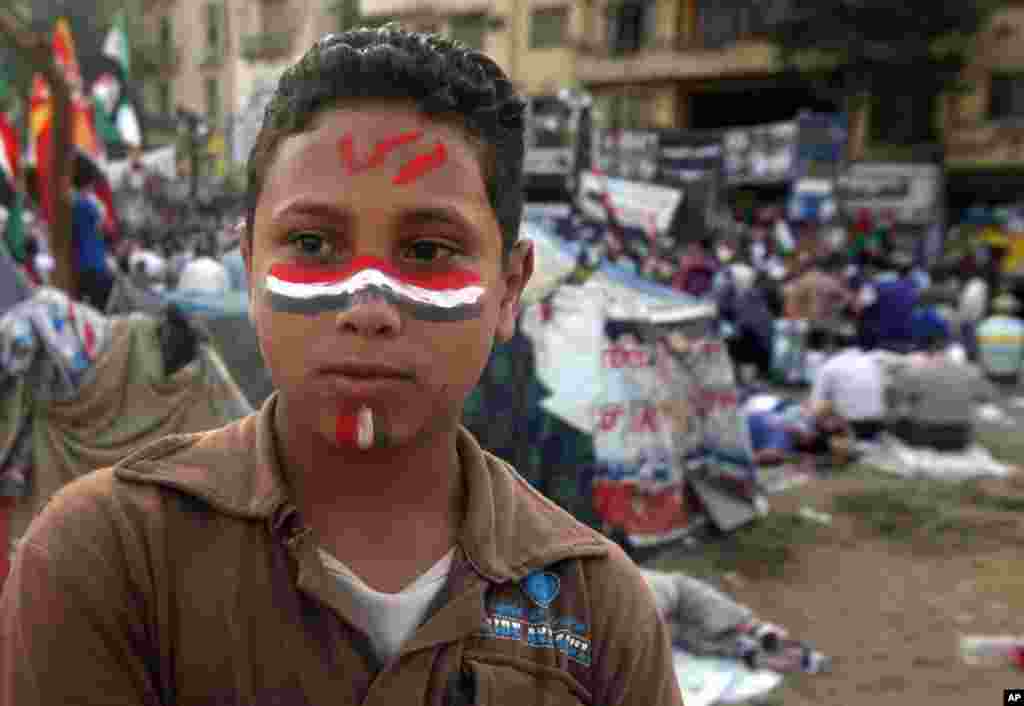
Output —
(670, 58)
(266, 46)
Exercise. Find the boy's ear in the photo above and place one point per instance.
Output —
(515, 276)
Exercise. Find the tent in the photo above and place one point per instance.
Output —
(80, 390)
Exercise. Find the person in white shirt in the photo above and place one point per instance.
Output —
(204, 275)
(853, 382)
(973, 308)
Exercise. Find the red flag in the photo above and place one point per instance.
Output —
(83, 126)
(10, 152)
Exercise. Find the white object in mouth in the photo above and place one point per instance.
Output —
(364, 428)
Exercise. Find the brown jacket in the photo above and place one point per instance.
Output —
(183, 575)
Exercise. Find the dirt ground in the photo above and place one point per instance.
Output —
(887, 607)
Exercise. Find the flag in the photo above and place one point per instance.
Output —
(15, 231)
(84, 138)
(9, 158)
(116, 44)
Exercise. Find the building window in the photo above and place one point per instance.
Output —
(1006, 97)
(469, 29)
(347, 14)
(630, 25)
(624, 111)
(904, 120)
(166, 32)
(212, 102)
(213, 18)
(164, 98)
(548, 27)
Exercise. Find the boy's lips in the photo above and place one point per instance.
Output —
(354, 379)
(365, 369)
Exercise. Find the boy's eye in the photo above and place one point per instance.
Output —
(429, 251)
(311, 244)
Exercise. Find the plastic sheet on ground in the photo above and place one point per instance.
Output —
(705, 681)
(893, 456)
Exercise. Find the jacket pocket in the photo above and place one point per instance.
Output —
(499, 684)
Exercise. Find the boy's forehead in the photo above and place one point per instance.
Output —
(392, 143)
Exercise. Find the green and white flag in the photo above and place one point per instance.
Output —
(116, 44)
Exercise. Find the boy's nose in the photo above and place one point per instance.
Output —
(370, 314)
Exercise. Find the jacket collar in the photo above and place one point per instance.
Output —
(509, 530)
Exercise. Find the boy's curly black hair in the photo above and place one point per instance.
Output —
(446, 80)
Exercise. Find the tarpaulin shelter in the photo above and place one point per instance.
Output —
(623, 398)
(110, 389)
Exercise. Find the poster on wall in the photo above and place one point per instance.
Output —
(762, 154)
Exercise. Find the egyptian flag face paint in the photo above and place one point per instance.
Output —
(454, 295)
(356, 429)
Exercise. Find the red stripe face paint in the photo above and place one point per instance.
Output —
(422, 164)
(454, 295)
(346, 147)
(409, 172)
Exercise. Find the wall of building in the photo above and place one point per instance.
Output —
(972, 137)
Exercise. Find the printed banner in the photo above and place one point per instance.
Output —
(627, 154)
(761, 154)
(693, 161)
(637, 204)
(668, 405)
(913, 192)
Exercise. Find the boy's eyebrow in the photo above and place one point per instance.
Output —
(307, 207)
(431, 215)
(426, 215)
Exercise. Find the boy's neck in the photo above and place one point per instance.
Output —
(402, 496)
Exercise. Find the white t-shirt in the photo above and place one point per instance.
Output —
(853, 382)
(205, 275)
(154, 265)
(973, 301)
(389, 619)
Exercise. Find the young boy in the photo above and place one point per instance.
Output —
(350, 543)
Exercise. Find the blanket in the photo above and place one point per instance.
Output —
(894, 456)
(124, 402)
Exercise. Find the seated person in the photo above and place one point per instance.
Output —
(853, 383)
(936, 396)
(1001, 342)
(780, 429)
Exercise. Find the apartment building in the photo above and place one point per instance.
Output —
(217, 56)
(698, 64)
(984, 127)
(534, 41)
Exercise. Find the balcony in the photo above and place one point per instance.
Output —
(672, 59)
(267, 46)
(986, 144)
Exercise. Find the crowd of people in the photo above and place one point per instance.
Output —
(884, 342)
(161, 242)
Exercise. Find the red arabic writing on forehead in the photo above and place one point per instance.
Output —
(409, 172)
